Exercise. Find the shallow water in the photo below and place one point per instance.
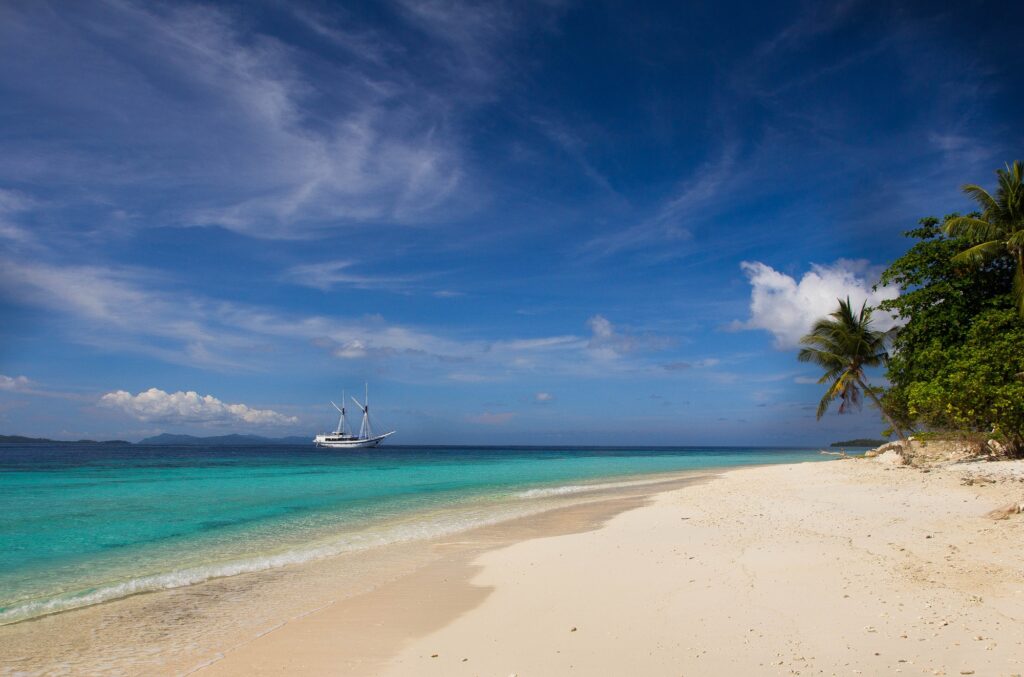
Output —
(86, 524)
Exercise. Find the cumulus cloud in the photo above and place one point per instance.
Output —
(544, 397)
(788, 308)
(189, 407)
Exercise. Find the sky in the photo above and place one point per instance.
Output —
(532, 222)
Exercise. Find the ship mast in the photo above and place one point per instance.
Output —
(364, 429)
(342, 425)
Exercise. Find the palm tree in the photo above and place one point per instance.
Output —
(844, 343)
(999, 229)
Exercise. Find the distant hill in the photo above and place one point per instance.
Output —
(859, 443)
(19, 439)
(222, 440)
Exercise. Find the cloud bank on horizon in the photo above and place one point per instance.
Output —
(190, 407)
(520, 222)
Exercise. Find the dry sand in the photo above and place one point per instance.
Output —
(843, 567)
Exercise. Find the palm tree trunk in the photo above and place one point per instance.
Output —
(899, 431)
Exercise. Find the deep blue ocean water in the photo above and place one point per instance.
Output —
(85, 524)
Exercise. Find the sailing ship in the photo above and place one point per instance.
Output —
(343, 438)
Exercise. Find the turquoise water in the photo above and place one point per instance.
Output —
(85, 524)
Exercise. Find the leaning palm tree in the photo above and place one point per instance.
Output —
(999, 229)
(844, 344)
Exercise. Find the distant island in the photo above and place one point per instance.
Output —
(221, 440)
(20, 439)
(167, 439)
(859, 443)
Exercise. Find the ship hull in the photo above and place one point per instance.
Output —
(354, 443)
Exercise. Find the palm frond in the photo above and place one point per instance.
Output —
(981, 196)
(972, 228)
(828, 398)
(844, 343)
(1016, 241)
(820, 357)
(980, 254)
(1000, 229)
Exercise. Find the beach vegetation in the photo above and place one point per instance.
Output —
(997, 230)
(859, 442)
(978, 385)
(955, 363)
(937, 305)
(845, 344)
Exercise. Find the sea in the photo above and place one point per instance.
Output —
(85, 524)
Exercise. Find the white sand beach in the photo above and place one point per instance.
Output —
(845, 567)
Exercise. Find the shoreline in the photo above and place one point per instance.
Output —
(845, 567)
(226, 612)
(365, 537)
(841, 566)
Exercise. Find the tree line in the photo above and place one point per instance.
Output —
(956, 362)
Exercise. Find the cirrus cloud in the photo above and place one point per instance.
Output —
(189, 407)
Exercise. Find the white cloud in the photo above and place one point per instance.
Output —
(189, 407)
(14, 382)
(673, 222)
(117, 308)
(330, 274)
(544, 397)
(11, 203)
(184, 90)
(601, 327)
(127, 309)
(788, 308)
(606, 342)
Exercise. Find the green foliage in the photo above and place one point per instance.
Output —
(860, 442)
(954, 364)
(939, 301)
(844, 344)
(977, 385)
(998, 230)
(957, 363)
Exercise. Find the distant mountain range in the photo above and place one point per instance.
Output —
(222, 440)
(168, 439)
(19, 439)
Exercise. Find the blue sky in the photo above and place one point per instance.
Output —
(528, 222)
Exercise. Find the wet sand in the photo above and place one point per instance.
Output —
(842, 567)
(212, 626)
(845, 567)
